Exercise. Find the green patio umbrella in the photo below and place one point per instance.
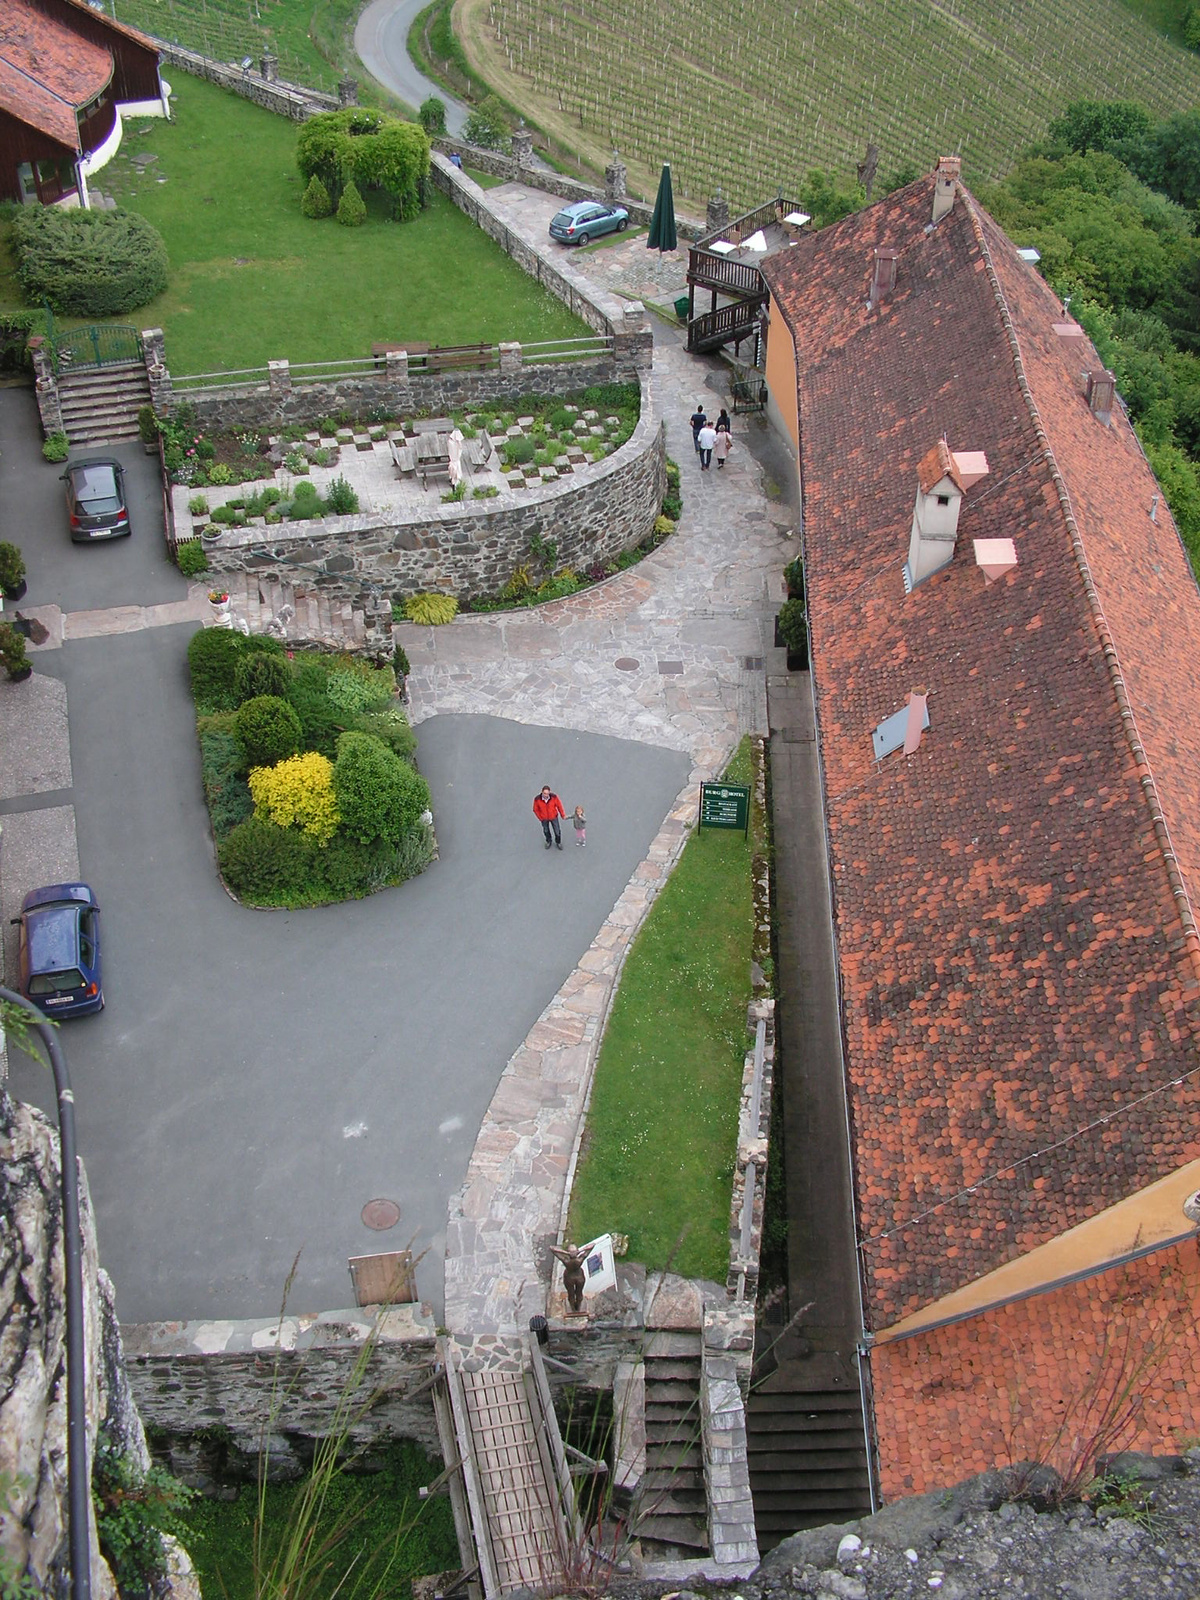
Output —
(662, 234)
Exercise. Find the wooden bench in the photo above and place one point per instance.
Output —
(443, 358)
(404, 457)
(379, 352)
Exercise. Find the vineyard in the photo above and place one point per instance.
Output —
(751, 96)
(308, 36)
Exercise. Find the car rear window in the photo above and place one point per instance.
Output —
(564, 219)
(97, 487)
(56, 982)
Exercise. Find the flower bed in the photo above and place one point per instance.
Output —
(307, 763)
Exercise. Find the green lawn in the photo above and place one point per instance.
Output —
(661, 1137)
(220, 1532)
(252, 280)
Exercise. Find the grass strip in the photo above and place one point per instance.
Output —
(661, 1137)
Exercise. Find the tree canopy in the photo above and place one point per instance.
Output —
(370, 150)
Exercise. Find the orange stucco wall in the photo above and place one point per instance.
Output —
(1025, 1380)
(781, 374)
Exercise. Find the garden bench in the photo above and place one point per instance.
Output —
(404, 457)
(433, 425)
(379, 352)
(444, 357)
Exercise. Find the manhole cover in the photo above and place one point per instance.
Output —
(752, 663)
(626, 664)
(381, 1214)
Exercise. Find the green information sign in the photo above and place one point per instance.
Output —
(725, 805)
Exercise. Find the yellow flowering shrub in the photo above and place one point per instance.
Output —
(298, 793)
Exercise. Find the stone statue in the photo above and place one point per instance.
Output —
(572, 1258)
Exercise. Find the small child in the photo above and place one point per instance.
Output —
(579, 823)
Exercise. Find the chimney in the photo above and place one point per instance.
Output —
(995, 557)
(946, 187)
(883, 275)
(935, 517)
(1100, 388)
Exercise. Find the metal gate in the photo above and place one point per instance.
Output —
(108, 346)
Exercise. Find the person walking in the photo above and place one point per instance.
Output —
(579, 823)
(723, 445)
(698, 420)
(705, 441)
(547, 808)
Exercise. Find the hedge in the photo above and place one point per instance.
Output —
(378, 795)
(89, 263)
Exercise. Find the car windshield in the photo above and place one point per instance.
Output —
(56, 982)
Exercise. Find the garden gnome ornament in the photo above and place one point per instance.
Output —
(572, 1258)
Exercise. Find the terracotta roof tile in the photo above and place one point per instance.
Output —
(47, 70)
(935, 465)
(1017, 952)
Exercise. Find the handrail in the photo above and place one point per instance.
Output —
(769, 211)
(742, 277)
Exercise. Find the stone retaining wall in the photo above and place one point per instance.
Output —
(236, 1382)
(291, 100)
(465, 547)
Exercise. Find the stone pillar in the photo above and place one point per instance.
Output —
(270, 67)
(279, 379)
(397, 366)
(347, 91)
(716, 213)
(522, 146)
(510, 358)
(46, 384)
(154, 354)
(614, 181)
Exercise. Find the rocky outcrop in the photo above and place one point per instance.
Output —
(33, 1380)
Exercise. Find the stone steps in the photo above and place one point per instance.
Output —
(299, 614)
(100, 404)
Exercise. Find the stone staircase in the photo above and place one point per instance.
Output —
(807, 1446)
(298, 613)
(100, 404)
(671, 1518)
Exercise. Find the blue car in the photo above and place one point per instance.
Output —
(587, 219)
(60, 950)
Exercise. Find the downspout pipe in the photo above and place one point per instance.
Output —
(79, 1487)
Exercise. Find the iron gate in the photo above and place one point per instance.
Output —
(108, 346)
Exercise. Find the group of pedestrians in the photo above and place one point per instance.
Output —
(711, 438)
(548, 808)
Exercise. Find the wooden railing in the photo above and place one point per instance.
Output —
(710, 271)
(761, 217)
(732, 322)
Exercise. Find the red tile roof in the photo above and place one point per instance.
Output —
(47, 71)
(935, 465)
(1030, 1379)
(1018, 954)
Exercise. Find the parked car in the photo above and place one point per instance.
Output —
(587, 219)
(96, 499)
(59, 955)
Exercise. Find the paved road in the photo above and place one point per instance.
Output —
(380, 38)
(257, 1077)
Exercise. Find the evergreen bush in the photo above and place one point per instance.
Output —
(351, 211)
(315, 201)
(212, 661)
(259, 673)
(298, 793)
(190, 558)
(378, 795)
(431, 114)
(267, 728)
(88, 263)
(260, 860)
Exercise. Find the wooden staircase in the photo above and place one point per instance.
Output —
(808, 1446)
(302, 614)
(671, 1518)
(100, 404)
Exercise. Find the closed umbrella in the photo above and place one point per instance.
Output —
(662, 234)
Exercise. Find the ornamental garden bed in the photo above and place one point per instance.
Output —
(308, 768)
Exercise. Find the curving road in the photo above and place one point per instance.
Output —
(380, 38)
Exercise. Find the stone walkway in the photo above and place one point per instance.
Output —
(672, 652)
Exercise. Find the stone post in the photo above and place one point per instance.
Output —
(633, 339)
(716, 213)
(46, 384)
(510, 358)
(615, 175)
(154, 354)
(279, 379)
(522, 146)
(270, 67)
(347, 91)
(397, 366)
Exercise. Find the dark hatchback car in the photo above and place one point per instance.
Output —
(59, 957)
(96, 499)
(587, 219)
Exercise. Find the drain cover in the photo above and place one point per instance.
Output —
(626, 664)
(381, 1214)
(670, 669)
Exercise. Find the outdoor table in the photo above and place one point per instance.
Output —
(431, 448)
(433, 425)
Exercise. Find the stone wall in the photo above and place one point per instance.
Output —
(497, 165)
(466, 547)
(289, 100)
(239, 1383)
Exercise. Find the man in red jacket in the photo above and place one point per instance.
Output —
(547, 808)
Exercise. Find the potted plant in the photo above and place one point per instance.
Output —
(12, 653)
(12, 572)
(792, 624)
(148, 429)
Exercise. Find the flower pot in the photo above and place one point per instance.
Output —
(797, 661)
(20, 674)
(17, 592)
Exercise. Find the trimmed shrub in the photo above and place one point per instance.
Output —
(793, 626)
(400, 664)
(315, 201)
(378, 795)
(793, 576)
(351, 211)
(392, 728)
(212, 660)
(298, 793)
(431, 114)
(369, 149)
(191, 559)
(260, 673)
(268, 730)
(88, 263)
(261, 860)
(320, 719)
(225, 788)
(431, 609)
